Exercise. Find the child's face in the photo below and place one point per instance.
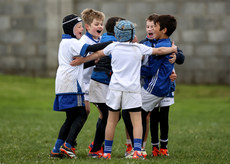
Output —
(158, 34)
(149, 29)
(78, 30)
(96, 28)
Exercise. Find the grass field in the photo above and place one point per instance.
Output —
(199, 125)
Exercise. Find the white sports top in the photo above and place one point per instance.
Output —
(88, 71)
(68, 78)
(126, 65)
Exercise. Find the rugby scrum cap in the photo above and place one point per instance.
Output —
(69, 22)
(124, 31)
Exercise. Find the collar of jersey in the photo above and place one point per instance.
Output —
(66, 36)
(152, 40)
(91, 37)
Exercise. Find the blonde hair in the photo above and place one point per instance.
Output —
(88, 15)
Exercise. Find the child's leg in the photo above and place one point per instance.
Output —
(146, 131)
(100, 115)
(144, 115)
(87, 107)
(128, 124)
(79, 120)
(100, 131)
(113, 118)
(64, 130)
(128, 140)
(154, 119)
(137, 128)
(164, 126)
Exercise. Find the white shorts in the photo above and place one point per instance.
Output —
(167, 101)
(97, 91)
(86, 86)
(149, 101)
(123, 100)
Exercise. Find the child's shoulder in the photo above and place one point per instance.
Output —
(84, 38)
(106, 37)
(164, 43)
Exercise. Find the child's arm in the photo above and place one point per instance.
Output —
(97, 47)
(93, 56)
(164, 50)
(180, 57)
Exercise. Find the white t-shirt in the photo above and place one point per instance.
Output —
(88, 71)
(126, 65)
(69, 79)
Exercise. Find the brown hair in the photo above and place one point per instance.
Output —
(111, 22)
(88, 15)
(152, 17)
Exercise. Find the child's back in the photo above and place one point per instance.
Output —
(126, 63)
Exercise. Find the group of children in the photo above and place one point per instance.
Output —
(110, 79)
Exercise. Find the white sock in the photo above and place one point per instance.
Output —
(128, 141)
(144, 144)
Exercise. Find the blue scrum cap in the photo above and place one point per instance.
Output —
(124, 31)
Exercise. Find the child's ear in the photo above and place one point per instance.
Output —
(87, 27)
(164, 30)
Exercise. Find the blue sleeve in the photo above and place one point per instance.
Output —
(179, 57)
(83, 50)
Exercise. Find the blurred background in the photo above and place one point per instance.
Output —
(30, 32)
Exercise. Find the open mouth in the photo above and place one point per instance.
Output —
(150, 34)
(99, 31)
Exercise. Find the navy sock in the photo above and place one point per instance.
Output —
(108, 146)
(137, 144)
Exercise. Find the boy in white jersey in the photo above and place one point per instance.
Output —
(69, 86)
(94, 27)
(124, 88)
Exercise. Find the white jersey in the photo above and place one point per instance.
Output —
(88, 71)
(69, 79)
(126, 65)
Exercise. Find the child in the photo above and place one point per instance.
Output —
(69, 86)
(94, 27)
(149, 41)
(124, 88)
(160, 114)
(163, 27)
(98, 88)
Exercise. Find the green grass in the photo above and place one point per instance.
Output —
(199, 125)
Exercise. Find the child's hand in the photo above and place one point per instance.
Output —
(174, 47)
(77, 61)
(173, 58)
(173, 76)
(97, 60)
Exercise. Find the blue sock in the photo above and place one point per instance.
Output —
(57, 146)
(108, 146)
(137, 144)
(68, 145)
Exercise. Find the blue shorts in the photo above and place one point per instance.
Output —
(63, 102)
